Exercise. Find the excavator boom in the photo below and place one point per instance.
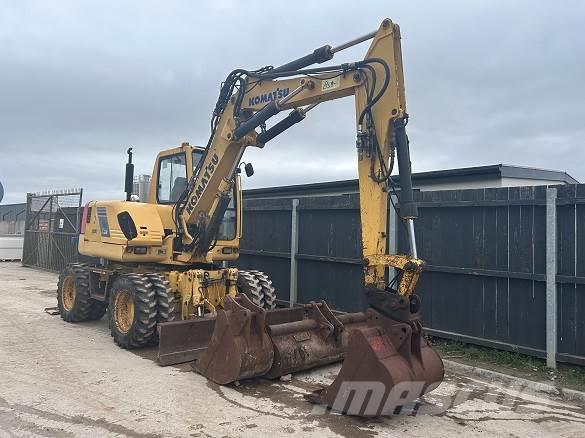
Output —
(378, 86)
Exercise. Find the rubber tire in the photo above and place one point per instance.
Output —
(143, 327)
(268, 290)
(249, 285)
(84, 307)
(167, 303)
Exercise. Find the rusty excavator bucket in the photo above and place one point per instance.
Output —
(239, 348)
(388, 364)
(387, 361)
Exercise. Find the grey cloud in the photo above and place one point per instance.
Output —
(487, 82)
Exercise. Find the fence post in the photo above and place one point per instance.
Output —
(80, 207)
(551, 277)
(26, 236)
(79, 211)
(49, 260)
(294, 245)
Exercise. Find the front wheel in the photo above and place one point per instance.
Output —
(132, 311)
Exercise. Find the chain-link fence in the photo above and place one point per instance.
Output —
(52, 229)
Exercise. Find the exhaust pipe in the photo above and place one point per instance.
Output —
(129, 176)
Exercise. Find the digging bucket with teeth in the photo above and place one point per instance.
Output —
(386, 365)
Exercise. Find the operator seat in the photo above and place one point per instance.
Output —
(178, 187)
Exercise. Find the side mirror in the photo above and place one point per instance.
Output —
(249, 169)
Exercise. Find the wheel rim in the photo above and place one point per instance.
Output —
(68, 293)
(124, 311)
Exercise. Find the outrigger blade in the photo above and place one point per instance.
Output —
(387, 365)
(188, 340)
(184, 341)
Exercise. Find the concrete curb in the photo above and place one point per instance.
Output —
(565, 393)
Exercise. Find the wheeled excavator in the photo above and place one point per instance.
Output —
(164, 271)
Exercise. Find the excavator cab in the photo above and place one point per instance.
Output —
(172, 170)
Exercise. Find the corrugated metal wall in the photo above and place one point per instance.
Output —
(486, 256)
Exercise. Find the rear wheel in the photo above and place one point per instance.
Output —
(132, 311)
(73, 300)
(268, 290)
(258, 287)
(249, 285)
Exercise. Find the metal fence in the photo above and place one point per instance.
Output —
(505, 266)
(52, 229)
(489, 279)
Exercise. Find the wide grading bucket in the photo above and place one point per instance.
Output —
(248, 341)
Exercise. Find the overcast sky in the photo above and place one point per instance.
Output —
(487, 82)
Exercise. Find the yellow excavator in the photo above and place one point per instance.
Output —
(164, 276)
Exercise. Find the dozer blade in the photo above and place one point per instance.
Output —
(387, 365)
(184, 341)
(239, 347)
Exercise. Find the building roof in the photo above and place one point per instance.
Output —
(9, 212)
(490, 172)
(499, 170)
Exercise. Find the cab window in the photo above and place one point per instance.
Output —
(172, 178)
(227, 228)
(197, 155)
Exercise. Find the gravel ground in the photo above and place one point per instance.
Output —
(59, 379)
